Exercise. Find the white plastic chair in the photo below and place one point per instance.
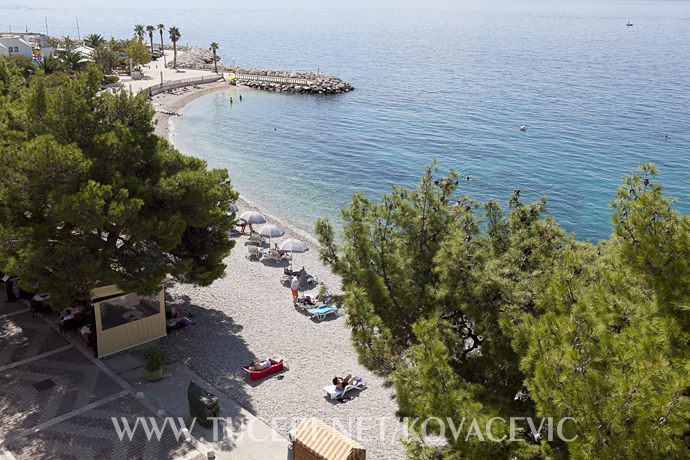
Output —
(254, 252)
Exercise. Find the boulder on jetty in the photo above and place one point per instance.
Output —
(194, 58)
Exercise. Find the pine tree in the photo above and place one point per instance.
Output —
(475, 312)
(89, 195)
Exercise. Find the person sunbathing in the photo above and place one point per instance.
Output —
(340, 382)
(260, 365)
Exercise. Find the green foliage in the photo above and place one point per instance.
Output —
(139, 32)
(89, 195)
(214, 47)
(475, 312)
(175, 35)
(94, 40)
(155, 361)
(49, 64)
(137, 52)
(150, 29)
(106, 58)
(161, 28)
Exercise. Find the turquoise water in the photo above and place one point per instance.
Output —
(451, 84)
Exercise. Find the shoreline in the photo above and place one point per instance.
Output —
(248, 314)
(163, 128)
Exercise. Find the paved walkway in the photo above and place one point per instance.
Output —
(239, 435)
(57, 401)
(153, 71)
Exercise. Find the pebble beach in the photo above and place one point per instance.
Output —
(248, 314)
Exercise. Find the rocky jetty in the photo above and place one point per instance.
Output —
(291, 82)
(266, 79)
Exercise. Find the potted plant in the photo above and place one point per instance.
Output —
(154, 366)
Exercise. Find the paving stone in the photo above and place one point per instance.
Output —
(92, 434)
(22, 337)
(78, 382)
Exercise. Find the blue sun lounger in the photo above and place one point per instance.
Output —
(321, 312)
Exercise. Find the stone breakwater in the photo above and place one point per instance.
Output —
(291, 82)
(265, 79)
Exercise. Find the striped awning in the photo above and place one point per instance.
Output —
(327, 443)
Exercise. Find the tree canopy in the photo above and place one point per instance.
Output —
(475, 311)
(90, 196)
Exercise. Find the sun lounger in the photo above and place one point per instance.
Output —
(276, 366)
(335, 393)
(254, 252)
(321, 312)
(275, 255)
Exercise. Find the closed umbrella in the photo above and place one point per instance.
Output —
(293, 246)
(271, 231)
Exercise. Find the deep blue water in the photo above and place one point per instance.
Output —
(451, 84)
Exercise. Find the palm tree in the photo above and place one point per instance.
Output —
(161, 28)
(49, 64)
(69, 43)
(72, 61)
(139, 32)
(214, 48)
(150, 29)
(94, 40)
(174, 36)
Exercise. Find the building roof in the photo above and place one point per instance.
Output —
(327, 443)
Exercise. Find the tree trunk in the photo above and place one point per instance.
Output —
(151, 37)
(215, 61)
(175, 55)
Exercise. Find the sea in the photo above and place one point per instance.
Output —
(450, 82)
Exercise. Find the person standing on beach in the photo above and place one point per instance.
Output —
(294, 286)
(240, 98)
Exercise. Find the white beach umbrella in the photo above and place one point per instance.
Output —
(233, 208)
(253, 217)
(271, 231)
(294, 246)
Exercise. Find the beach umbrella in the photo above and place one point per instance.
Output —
(253, 217)
(233, 208)
(293, 246)
(271, 231)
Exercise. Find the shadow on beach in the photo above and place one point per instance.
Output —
(189, 346)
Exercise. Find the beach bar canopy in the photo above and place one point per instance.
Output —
(314, 440)
(124, 320)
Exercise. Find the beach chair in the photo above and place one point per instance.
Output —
(320, 313)
(255, 238)
(275, 256)
(335, 393)
(254, 253)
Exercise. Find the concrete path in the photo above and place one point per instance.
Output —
(239, 435)
(155, 73)
(57, 401)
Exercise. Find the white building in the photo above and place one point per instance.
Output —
(15, 46)
(25, 44)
